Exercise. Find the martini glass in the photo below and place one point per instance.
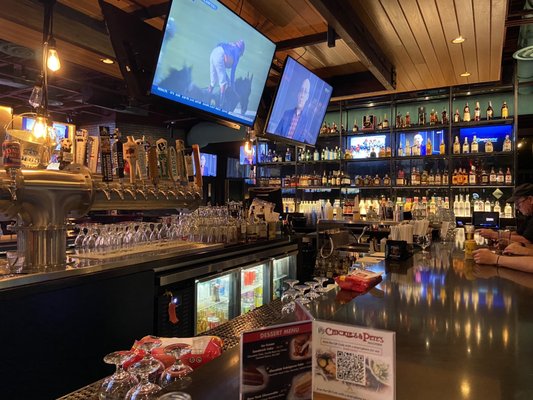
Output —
(301, 298)
(320, 280)
(147, 345)
(144, 390)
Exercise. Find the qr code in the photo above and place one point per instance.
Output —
(351, 367)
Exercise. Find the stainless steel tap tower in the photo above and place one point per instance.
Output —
(41, 200)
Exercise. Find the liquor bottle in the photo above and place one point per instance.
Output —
(442, 147)
(431, 178)
(275, 156)
(380, 124)
(493, 179)
(429, 147)
(445, 178)
(475, 145)
(400, 178)
(424, 178)
(385, 122)
(508, 177)
(415, 177)
(472, 178)
(372, 153)
(377, 180)
(490, 111)
(507, 144)
(316, 155)
(456, 146)
(487, 206)
(466, 113)
(489, 148)
(432, 117)
(500, 177)
(456, 206)
(477, 112)
(454, 177)
(421, 115)
(505, 110)
(438, 178)
(467, 210)
(355, 128)
(446, 203)
(407, 120)
(456, 116)
(398, 123)
(407, 150)
(466, 146)
(334, 128)
(497, 208)
(381, 152)
(343, 129)
(400, 151)
(485, 177)
(386, 180)
(444, 116)
(288, 155)
(461, 206)
(433, 206)
(508, 211)
(388, 151)
(324, 179)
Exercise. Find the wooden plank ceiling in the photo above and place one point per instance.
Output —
(415, 36)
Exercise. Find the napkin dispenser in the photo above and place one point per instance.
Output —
(397, 250)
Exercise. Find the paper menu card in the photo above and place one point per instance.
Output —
(352, 362)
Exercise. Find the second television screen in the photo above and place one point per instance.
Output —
(299, 106)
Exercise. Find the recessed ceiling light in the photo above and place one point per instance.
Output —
(107, 61)
(458, 40)
(465, 74)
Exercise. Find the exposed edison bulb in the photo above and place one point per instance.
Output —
(248, 147)
(52, 61)
(40, 128)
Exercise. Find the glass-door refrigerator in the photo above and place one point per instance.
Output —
(215, 300)
(283, 267)
(254, 288)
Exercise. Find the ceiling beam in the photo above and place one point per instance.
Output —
(352, 84)
(351, 29)
(303, 41)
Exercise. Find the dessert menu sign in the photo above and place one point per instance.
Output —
(276, 363)
(352, 362)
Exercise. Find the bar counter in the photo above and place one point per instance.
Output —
(58, 325)
(462, 331)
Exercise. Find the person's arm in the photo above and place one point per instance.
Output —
(520, 263)
(518, 249)
(491, 234)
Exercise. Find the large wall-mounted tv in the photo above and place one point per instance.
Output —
(213, 60)
(299, 106)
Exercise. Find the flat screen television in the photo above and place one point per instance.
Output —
(422, 137)
(299, 106)
(496, 134)
(208, 164)
(247, 158)
(363, 146)
(212, 60)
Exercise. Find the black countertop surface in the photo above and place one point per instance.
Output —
(462, 331)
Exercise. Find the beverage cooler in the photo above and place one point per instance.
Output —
(283, 267)
(216, 300)
(254, 288)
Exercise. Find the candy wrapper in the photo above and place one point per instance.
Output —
(203, 350)
(358, 281)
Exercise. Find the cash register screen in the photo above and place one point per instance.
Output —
(482, 219)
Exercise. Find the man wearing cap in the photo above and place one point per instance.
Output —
(224, 56)
(523, 200)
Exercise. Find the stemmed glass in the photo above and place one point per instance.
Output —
(147, 345)
(116, 386)
(144, 390)
(301, 298)
(424, 241)
(287, 301)
(175, 376)
(312, 294)
(291, 282)
(320, 280)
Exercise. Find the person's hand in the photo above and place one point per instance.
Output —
(484, 271)
(517, 249)
(488, 233)
(485, 256)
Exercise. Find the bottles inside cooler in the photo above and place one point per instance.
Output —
(213, 302)
(463, 207)
(252, 284)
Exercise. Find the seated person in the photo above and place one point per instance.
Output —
(523, 199)
(520, 263)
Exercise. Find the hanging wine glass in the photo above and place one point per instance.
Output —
(116, 386)
(175, 376)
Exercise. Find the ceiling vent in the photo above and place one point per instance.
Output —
(15, 50)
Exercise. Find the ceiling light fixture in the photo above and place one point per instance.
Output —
(52, 60)
(458, 40)
(465, 74)
(107, 61)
